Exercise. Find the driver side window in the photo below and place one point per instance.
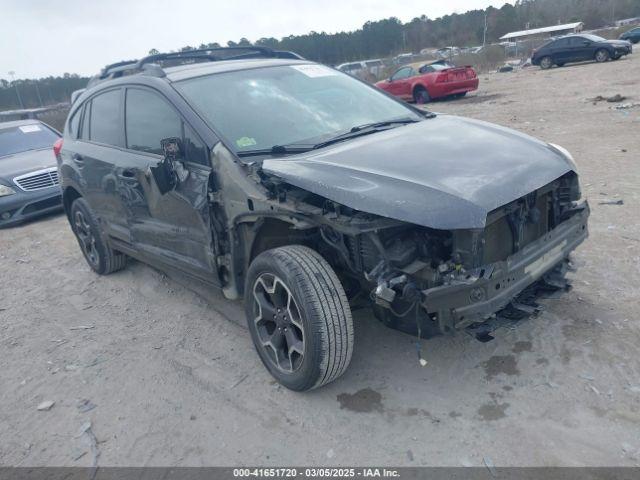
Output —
(402, 73)
(149, 119)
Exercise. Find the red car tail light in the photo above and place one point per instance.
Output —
(57, 147)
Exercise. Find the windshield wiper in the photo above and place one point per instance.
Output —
(386, 123)
(364, 129)
(275, 150)
(353, 132)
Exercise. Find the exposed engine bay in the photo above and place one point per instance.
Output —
(426, 281)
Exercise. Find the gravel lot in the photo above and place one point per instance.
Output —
(175, 381)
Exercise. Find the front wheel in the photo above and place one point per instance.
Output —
(602, 55)
(546, 63)
(299, 317)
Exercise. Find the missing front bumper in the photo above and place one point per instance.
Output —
(462, 304)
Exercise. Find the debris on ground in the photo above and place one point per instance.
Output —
(611, 202)
(490, 466)
(627, 106)
(612, 99)
(85, 405)
(82, 327)
(505, 69)
(46, 405)
(594, 389)
(85, 430)
(331, 453)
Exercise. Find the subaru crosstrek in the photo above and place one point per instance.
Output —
(306, 192)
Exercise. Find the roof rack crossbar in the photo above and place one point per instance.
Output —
(207, 53)
(152, 63)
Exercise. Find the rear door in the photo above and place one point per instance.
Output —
(98, 155)
(173, 228)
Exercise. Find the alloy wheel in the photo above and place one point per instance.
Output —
(278, 323)
(86, 237)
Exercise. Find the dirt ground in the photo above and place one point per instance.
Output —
(174, 380)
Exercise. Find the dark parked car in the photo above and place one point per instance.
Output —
(579, 48)
(303, 190)
(632, 35)
(28, 171)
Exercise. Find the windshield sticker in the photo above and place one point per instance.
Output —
(245, 142)
(315, 70)
(30, 128)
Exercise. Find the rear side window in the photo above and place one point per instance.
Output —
(84, 132)
(148, 120)
(106, 123)
(74, 124)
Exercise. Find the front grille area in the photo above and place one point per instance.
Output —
(38, 180)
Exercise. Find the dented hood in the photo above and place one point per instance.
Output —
(445, 173)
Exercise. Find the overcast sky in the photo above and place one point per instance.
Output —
(44, 37)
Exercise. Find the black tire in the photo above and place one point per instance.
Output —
(98, 254)
(421, 96)
(602, 55)
(546, 63)
(317, 323)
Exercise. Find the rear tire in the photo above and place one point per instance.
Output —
(546, 63)
(98, 254)
(299, 317)
(421, 96)
(602, 55)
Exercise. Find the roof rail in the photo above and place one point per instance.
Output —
(153, 64)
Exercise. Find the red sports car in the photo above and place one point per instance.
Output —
(423, 82)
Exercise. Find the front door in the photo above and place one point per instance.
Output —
(172, 228)
(398, 81)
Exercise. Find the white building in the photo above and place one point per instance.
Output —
(544, 31)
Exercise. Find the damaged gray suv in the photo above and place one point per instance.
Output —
(307, 193)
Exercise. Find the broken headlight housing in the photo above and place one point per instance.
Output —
(5, 191)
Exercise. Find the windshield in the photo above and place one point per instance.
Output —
(25, 137)
(298, 104)
(593, 38)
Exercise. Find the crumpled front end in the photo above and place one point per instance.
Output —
(427, 282)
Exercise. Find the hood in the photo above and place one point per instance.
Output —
(24, 162)
(444, 173)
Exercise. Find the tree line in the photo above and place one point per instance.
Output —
(381, 38)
